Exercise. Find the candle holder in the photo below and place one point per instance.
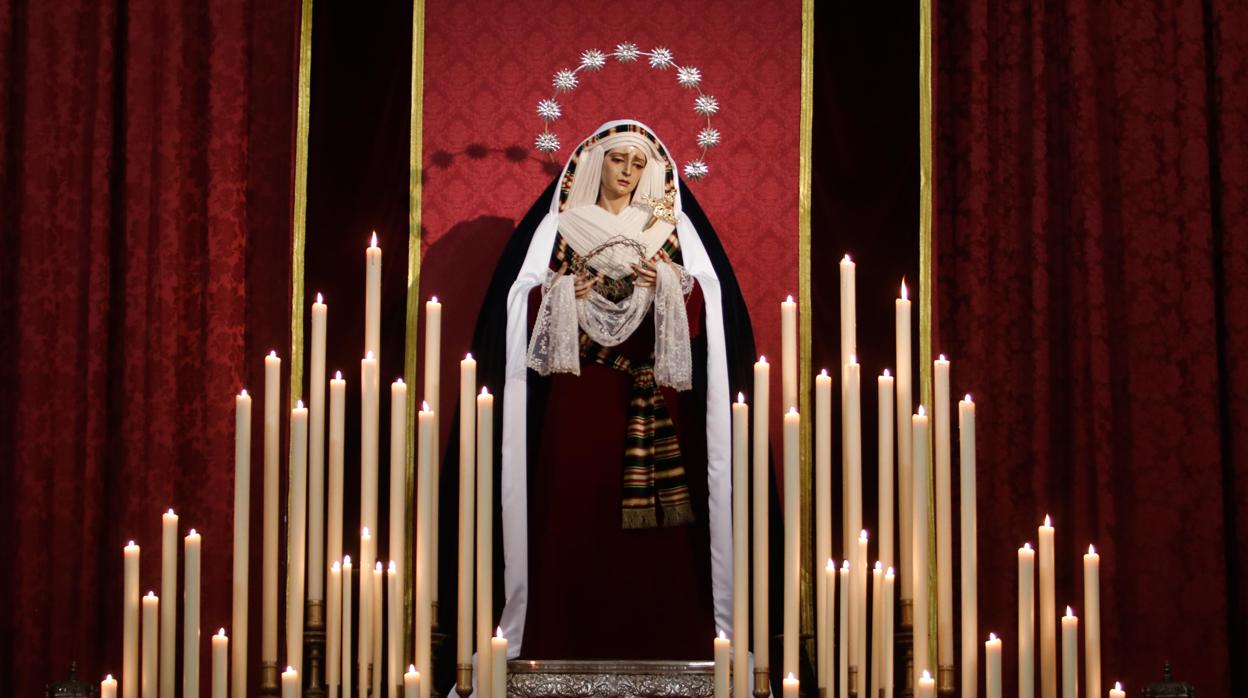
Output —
(945, 685)
(269, 685)
(904, 651)
(762, 682)
(436, 640)
(853, 681)
(314, 647)
(463, 679)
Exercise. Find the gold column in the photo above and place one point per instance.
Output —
(807, 623)
(926, 286)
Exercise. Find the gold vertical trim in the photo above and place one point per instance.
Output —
(300, 213)
(807, 593)
(412, 319)
(926, 188)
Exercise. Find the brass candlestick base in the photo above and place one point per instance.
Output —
(268, 679)
(436, 640)
(904, 649)
(853, 681)
(314, 648)
(944, 680)
(907, 613)
(463, 679)
(762, 682)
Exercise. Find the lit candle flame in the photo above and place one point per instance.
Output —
(433, 300)
(242, 393)
(967, 398)
(789, 298)
(922, 411)
(373, 243)
(337, 375)
(793, 410)
(722, 636)
(221, 632)
(831, 566)
(1048, 523)
(299, 404)
(377, 568)
(424, 406)
(1069, 612)
(411, 669)
(992, 636)
(790, 677)
(862, 536)
(151, 594)
(170, 512)
(398, 381)
(485, 390)
(762, 359)
(1027, 546)
(192, 533)
(1117, 686)
(393, 568)
(927, 675)
(879, 566)
(498, 632)
(740, 398)
(368, 354)
(823, 372)
(364, 533)
(886, 373)
(905, 292)
(273, 353)
(847, 259)
(845, 565)
(346, 560)
(853, 359)
(468, 356)
(889, 572)
(1091, 550)
(942, 358)
(319, 299)
(337, 566)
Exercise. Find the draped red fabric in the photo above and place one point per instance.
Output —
(1092, 257)
(145, 237)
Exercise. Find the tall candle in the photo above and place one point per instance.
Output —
(372, 298)
(1048, 614)
(759, 488)
(905, 452)
(498, 655)
(108, 687)
(827, 649)
(858, 588)
(378, 625)
(130, 622)
(849, 322)
(193, 552)
(485, 539)
(290, 683)
(411, 682)
(721, 666)
(927, 686)
(740, 551)
(788, 353)
(1092, 622)
(433, 396)
(296, 534)
(1070, 655)
(337, 424)
(424, 545)
(823, 518)
(333, 630)
(992, 666)
(272, 461)
(398, 517)
(944, 516)
(242, 552)
(918, 541)
(345, 652)
(220, 654)
(370, 398)
(843, 630)
(467, 514)
(167, 675)
(151, 655)
(1026, 621)
(877, 627)
(884, 466)
(394, 627)
(792, 539)
(792, 687)
(316, 455)
(365, 637)
(1117, 692)
(852, 480)
(968, 555)
(890, 584)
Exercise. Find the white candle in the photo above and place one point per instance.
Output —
(316, 455)
(823, 519)
(792, 688)
(433, 396)
(884, 466)
(220, 660)
(852, 480)
(1117, 692)
(498, 655)
(927, 686)
(792, 539)
(485, 539)
(890, 583)
(905, 452)
(740, 551)
(1092, 622)
(370, 397)
(1026, 621)
(760, 488)
(467, 498)
(193, 552)
(944, 515)
(337, 425)
(788, 353)
(1070, 655)
(242, 551)
(968, 555)
(378, 625)
(849, 322)
(858, 612)
(918, 541)
(992, 666)
(877, 627)
(424, 545)
(296, 534)
(394, 620)
(1048, 614)
(272, 461)
(345, 652)
(364, 639)
(333, 630)
(398, 521)
(108, 687)
(372, 297)
(721, 666)
(167, 675)
(151, 655)
(290, 683)
(827, 649)
(843, 630)
(411, 682)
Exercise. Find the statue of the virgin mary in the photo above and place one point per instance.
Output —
(618, 334)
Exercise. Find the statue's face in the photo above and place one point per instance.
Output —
(621, 171)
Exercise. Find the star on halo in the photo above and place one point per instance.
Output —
(661, 58)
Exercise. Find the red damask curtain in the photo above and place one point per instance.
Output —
(144, 246)
(1092, 190)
